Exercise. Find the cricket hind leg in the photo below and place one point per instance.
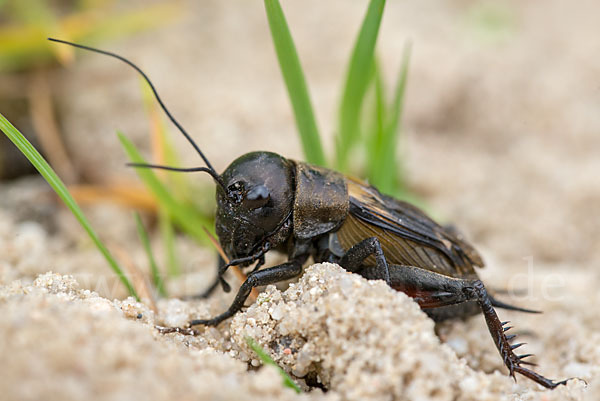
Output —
(433, 290)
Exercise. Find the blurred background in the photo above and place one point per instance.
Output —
(500, 132)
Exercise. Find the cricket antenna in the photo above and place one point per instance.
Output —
(210, 171)
(213, 172)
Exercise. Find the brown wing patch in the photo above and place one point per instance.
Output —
(407, 235)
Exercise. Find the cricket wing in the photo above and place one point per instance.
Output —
(407, 234)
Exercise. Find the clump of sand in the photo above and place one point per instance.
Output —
(364, 340)
(359, 338)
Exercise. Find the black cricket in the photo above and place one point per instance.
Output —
(267, 202)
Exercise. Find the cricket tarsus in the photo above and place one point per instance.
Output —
(536, 377)
(512, 361)
(188, 331)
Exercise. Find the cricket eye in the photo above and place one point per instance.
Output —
(256, 197)
(235, 191)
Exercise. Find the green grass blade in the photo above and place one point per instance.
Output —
(184, 215)
(357, 81)
(145, 240)
(376, 133)
(59, 187)
(394, 183)
(167, 233)
(380, 111)
(295, 83)
(267, 360)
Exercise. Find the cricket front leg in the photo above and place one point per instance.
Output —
(258, 278)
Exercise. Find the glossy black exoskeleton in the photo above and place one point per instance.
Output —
(267, 202)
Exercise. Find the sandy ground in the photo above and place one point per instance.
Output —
(501, 138)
